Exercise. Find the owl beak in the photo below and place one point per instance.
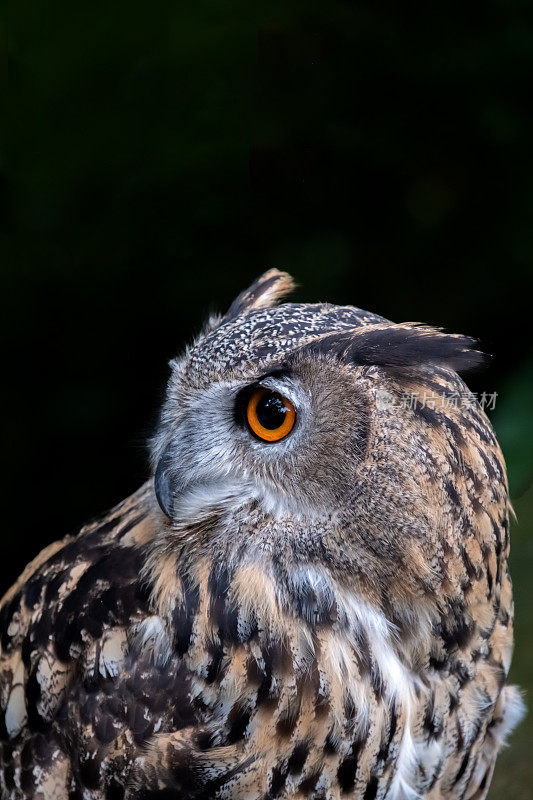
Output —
(163, 483)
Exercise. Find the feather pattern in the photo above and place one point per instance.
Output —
(354, 640)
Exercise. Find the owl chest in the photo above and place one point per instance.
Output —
(318, 713)
(285, 707)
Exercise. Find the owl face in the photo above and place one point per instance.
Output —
(287, 440)
(275, 429)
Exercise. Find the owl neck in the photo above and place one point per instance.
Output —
(236, 591)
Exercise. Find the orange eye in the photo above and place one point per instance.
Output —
(270, 416)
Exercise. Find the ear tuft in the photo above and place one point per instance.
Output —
(265, 292)
(401, 348)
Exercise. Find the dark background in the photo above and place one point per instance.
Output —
(159, 156)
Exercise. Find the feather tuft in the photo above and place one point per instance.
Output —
(400, 347)
(265, 292)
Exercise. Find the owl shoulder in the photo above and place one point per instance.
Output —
(67, 617)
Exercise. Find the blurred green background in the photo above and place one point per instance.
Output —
(158, 156)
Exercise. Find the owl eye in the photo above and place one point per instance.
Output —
(270, 416)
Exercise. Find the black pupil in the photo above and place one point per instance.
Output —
(270, 411)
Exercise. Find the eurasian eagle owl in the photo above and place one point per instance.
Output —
(310, 598)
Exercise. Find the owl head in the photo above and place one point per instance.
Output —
(323, 441)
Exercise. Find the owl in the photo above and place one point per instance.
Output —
(309, 598)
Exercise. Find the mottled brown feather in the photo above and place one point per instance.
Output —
(233, 656)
